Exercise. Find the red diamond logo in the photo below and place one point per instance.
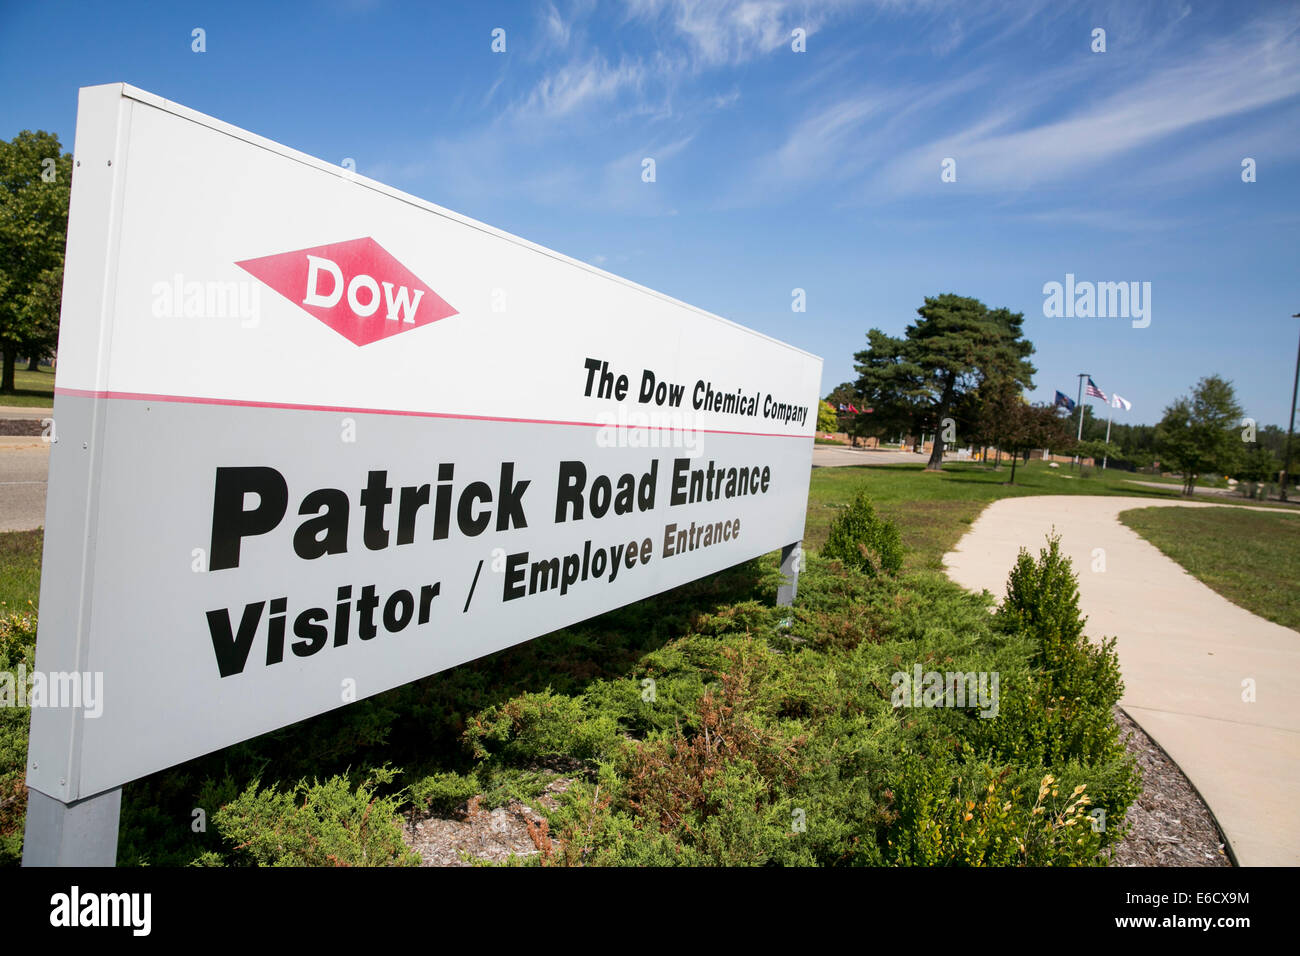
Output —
(356, 288)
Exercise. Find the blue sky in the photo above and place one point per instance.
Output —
(778, 170)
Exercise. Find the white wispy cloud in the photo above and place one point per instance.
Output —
(579, 84)
(1256, 67)
(849, 137)
(555, 29)
(880, 143)
(690, 36)
(719, 32)
(870, 132)
(821, 146)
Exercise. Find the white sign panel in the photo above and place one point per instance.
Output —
(317, 438)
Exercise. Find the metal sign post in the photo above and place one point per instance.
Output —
(83, 833)
(791, 564)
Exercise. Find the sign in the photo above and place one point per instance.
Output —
(317, 438)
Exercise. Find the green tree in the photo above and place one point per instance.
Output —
(1273, 437)
(35, 184)
(1009, 421)
(863, 425)
(844, 394)
(1200, 434)
(891, 383)
(989, 413)
(1040, 426)
(827, 420)
(929, 375)
(1097, 449)
(1258, 464)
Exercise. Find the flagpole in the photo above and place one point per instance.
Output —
(1110, 413)
(1079, 438)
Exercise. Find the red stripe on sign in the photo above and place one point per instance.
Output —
(198, 400)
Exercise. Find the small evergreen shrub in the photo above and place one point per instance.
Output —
(535, 727)
(1059, 711)
(1043, 595)
(864, 541)
(443, 792)
(317, 824)
(1079, 681)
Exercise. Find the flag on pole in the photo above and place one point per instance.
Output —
(1094, 392)
(854, 410)
(1065, 401)
(1117, 402)
(842, 407)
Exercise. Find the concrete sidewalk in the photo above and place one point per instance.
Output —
(23, 411)
(1184, 652)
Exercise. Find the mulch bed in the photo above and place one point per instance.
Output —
(21, 426)
(1169, 825)
(476, 834)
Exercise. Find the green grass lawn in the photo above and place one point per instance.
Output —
(34, 389)
(1251, 557)
(934, 509)
(20, 570)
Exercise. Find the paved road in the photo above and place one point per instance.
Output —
(826, 456)
(24, 463)
(1229, 493)
(1184, 652)
(1199, 489)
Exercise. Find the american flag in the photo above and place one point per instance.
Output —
(1094, 392)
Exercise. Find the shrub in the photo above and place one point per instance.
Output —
(767, 744)
(535, 727)
(317, 824)
(443, 792)
(981, 815)
(1080, 681)
(1060, 711)
(703, 726)
(863, 540)
(1043, 596)
(17, 648)
(13, 817)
